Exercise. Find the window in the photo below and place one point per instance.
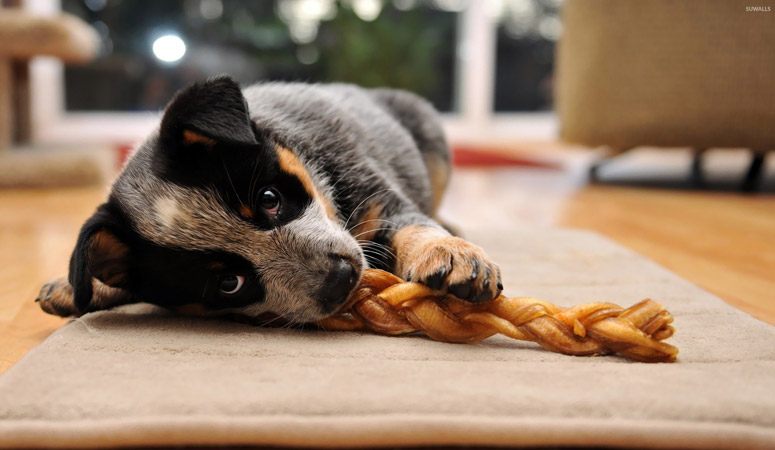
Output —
(152, 49)
(486, 64)
(527, 32)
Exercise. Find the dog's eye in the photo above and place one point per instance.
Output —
(270, 201)
(231, 284)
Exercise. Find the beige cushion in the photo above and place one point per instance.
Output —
(30, 167)
(25, 35)
(667, 73)
(140, 377)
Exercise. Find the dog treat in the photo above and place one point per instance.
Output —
(386, 304)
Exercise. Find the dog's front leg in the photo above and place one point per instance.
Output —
(426, 252)
(56, 297)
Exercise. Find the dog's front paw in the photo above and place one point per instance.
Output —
(453, 265)
(56, 297)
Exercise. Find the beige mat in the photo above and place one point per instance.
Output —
(140, 377)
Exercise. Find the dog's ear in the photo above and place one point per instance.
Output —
(99, 253)
(206, 113)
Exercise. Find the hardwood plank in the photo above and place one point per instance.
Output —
(723, 242)
(37, 232)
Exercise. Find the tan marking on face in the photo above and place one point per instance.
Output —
(291, 164)
(246, 212)
(369, 223)
(192, 137)
(108, 258)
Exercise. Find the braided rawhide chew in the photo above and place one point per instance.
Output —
(386, 304)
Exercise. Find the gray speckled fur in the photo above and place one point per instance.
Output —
(355, 142)
(359, 142)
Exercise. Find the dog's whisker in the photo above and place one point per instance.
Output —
(378, 254)
(371, 220)
(371, 243)
(271, 321)
(380, 192)
(369, 246)
(253, 181)
(371, 231)
(228, 176)
(382, 249)
(378, 251)
(383, 256)
(372, 257)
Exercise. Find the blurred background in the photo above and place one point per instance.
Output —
(643, 121)
(490, 66)
(475, 61)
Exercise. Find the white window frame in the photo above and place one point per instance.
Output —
(474, 123)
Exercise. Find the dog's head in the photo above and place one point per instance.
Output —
(211, 211)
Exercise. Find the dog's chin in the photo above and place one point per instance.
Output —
(314, 313)
(305, 316)
(303, 309)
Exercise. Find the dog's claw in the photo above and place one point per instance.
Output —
(462, 290)
(436, 281)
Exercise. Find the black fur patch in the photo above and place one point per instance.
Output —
(173, 277)
(214, 108)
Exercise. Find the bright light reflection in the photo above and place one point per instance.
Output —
(367, 10)
(169, 48)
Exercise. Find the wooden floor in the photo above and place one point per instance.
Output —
(724, 242)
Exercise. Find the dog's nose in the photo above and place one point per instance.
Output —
(340, 280)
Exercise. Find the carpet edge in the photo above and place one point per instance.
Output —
(383, 430)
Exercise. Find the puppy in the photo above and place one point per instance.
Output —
(273, 199)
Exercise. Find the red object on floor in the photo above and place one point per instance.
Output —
(461, 157)
(477, 157)
(123, 152)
